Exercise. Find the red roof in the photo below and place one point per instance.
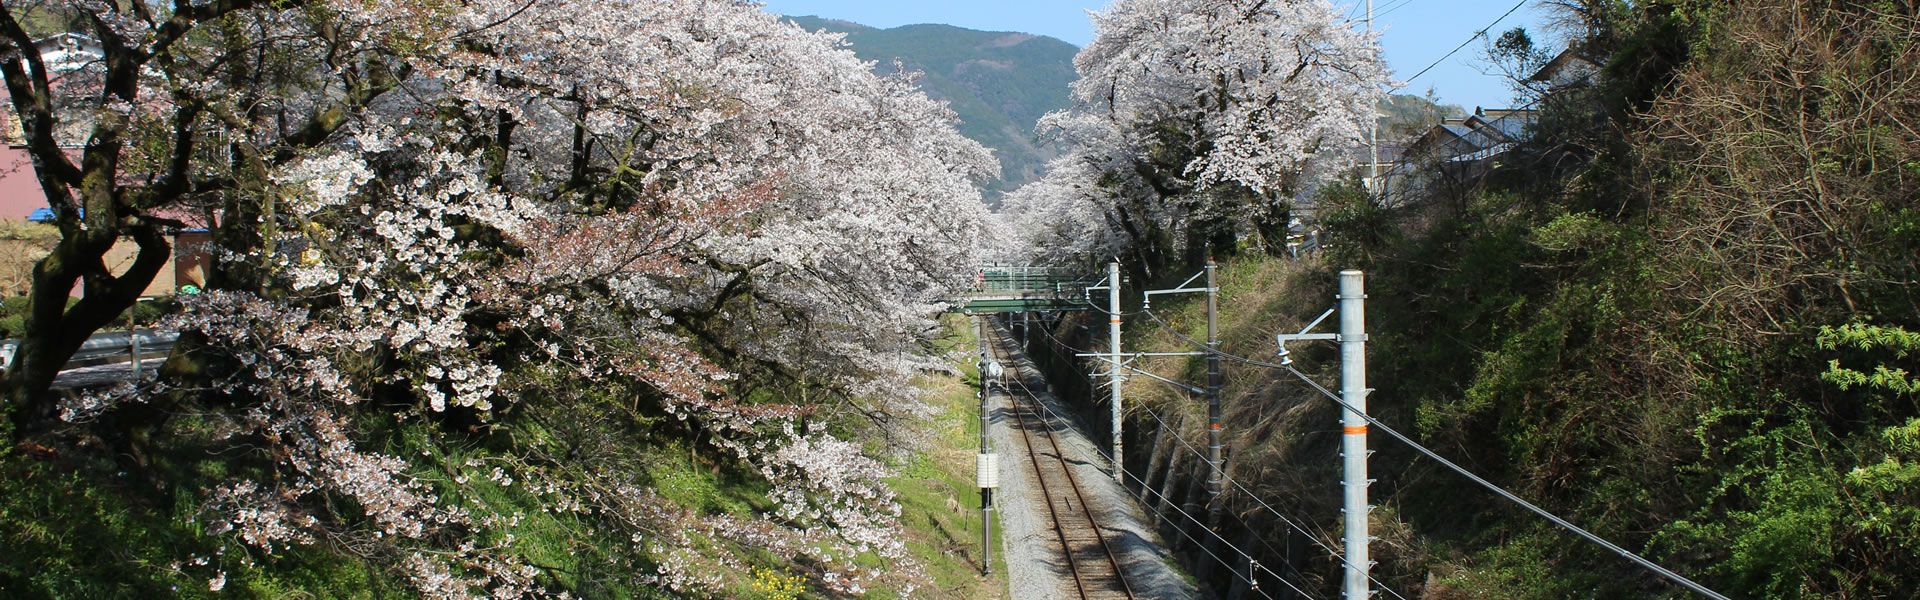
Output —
(20, 193)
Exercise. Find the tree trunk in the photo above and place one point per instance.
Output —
(54, 331)
(1274, 226)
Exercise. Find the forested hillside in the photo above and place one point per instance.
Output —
(1681, 313)
(1000, 83)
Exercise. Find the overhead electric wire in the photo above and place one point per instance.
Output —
(1189, 516)
(1057, 342)
(1311, 536)
(1216, 557)
(1143, 483)
(1276, 512)
(1390, 8)
(1309, 532)
(1476, 35)
(1283, 518)
(1096, 307)
(1196, 451)
(1390, 431)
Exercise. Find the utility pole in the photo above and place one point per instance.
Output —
(1353, 431)
(1353, 438)
(986, 468)
(1215, 477)
(133, 345)
(1373, 130)
(1113, 342)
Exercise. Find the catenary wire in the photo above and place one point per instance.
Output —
(1196, 451)
(1563, 523)
(1203, 548)
(1311, 536)
(1263, 504)
(1189, 518)
(1143, 485)
(1390, 8)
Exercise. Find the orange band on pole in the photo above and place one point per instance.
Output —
(1114, 321)
(1213, 426)
(1361, 430)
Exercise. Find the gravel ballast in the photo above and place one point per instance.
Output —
(1036, 570)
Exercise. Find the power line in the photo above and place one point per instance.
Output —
(1216, 557)
(1096, 307)
(1476, 35)
(1196, 451)
(1563, 523)
(1189, 516)
(1392, 7)
(1057, 342)
(1311, 536)
(1263, 504)
(1662, 571)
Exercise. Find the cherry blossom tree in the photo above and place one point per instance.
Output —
(1063, 218)
(453, 216)
(1202, 118)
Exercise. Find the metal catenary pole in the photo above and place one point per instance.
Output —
(986, 468)
(1353, 439)
(1215, 477)
(1353, 446)
(1113, 342)
(1374, 184)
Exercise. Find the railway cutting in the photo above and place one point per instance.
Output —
(1070, 531)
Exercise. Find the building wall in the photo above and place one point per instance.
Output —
(19, 252)
(191, 256)
(21, 244)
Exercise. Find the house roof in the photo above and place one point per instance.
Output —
(1486, 133)
(68, 51)
(1447, 131)
(1566, 69)
(1502, 124)
(19, 188)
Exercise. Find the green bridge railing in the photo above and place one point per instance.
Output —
(1009, 288)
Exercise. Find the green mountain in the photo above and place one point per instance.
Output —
(1404, 117)
(999, 83)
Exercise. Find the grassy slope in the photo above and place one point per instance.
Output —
(1537, 363)
(941, 508)
(75, 525)
(1284, 438)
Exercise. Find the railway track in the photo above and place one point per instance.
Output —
(1088, 556)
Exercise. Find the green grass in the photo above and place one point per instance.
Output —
(940, 505)
(73, 526)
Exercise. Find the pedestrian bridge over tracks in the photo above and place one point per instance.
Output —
(1002, 288)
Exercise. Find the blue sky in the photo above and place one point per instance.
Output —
(1417, 32)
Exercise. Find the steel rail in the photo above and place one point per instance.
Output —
(1073, 483)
